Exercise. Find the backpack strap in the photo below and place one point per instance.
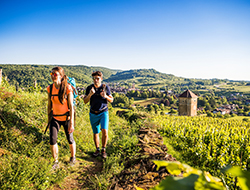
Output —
(50, 93)
(104, 88)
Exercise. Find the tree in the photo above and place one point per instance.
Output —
(150, 94)
(137, 94)
(173, 111)
(224, 101)
(120, 100)
(151, 108)
(144, 95)
(202, 102)
(156, 107)
(131, 101)
(209, 114)
(161, 106)
(208, 107)
(212, 102)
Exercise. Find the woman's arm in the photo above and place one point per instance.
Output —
(49, 107)
(71, 112)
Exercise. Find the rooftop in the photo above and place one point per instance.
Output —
(188, 94)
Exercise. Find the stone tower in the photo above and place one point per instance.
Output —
(0, 76)
(188, 103)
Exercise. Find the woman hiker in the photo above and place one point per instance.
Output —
(60, 104)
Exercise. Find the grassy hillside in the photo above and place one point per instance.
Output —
(25, 158)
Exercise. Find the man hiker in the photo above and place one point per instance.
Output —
(60, 112)
(99, 95)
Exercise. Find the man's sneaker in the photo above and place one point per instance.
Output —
(72, 161)
(96, 153)
(55, 165)
(104, 154)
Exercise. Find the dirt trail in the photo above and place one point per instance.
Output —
(86, 167)
(140, 172)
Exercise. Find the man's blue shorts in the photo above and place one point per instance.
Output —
(96, 120)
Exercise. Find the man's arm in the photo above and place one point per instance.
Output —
(110, 98)
(87, 97)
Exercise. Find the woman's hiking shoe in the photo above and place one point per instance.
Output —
(96, 153)
(55, 165)
(72, 161)
(104, 154)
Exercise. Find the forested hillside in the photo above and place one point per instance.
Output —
(25, 75)
(144, 74)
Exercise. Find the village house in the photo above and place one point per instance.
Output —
(229, 106)
(119, 90)
(222, 111)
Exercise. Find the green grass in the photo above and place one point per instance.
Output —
(147, 101)
(25, 162)
(172, 151)
(239, 117)
(245, 89)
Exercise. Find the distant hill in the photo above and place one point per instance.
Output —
(25, 75)
(144, 77)
(131, 74)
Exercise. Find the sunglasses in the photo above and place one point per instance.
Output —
(53, 74)
(96, 78)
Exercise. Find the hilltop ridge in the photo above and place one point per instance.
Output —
(24, 75)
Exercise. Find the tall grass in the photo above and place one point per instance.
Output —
(25, 157)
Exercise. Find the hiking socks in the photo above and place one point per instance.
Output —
(72, 160)
(104, 154)
(97, 152)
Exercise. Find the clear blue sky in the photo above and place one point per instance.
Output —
(194, 39)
